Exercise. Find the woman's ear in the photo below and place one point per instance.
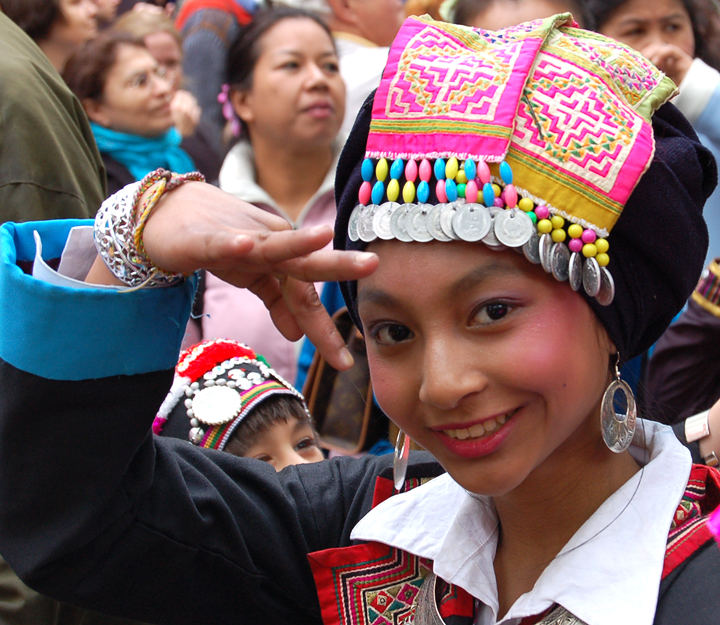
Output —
(96, 112)
(241, 103)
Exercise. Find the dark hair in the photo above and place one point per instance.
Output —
(35, 17)
(87, 69)
(275, 409)
(465, 11)
(245, 50)
(703, 16)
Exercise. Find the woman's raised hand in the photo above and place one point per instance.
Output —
(197, 226)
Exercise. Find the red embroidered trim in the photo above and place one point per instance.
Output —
(190, 6)
(689, 530)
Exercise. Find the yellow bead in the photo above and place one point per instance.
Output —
(497, 190)
(381, 169)
(575, 231)
(602, 246)
(451, 168)
(558, 235)
(409, 192)
(557, 221)
(461, 177)
(393, 190)
(589, 250)
(526, 204)
(602, 259)
(544, 226)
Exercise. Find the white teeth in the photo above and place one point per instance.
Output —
(479, 429)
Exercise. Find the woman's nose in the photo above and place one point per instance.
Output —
(449, 375)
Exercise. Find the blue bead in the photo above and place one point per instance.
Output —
(378, 192)
(368, 170)
(470, 169)
(451, 190)
(397, 169)
(506, 173)
(439, 169)
(488, 194)
(423, 192)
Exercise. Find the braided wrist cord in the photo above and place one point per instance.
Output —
(120, 224)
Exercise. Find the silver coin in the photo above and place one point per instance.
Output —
(591, 277)
(575, 273)
(381, 220)
(471, 222)
(513, 228)
(417, 223)
(544, 249)
(490, 239)
(365, 224)
(530, 249)
(607, 288)
(398, 223)
(447, 214)
(216, 405)
(433, 224)
(560, 261)
(353, 222)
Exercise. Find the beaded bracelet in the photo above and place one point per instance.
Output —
(120, 224)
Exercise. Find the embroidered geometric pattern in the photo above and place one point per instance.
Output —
(567, 109)
(689, 529)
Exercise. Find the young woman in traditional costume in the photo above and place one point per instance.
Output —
(532, 211)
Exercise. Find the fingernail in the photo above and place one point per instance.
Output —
(346, 358)
(362, 257)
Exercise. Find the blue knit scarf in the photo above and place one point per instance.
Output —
(142, 155)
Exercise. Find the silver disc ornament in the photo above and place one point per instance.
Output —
(618, 428)
(513, 228)
(575, 271)
(365, 228)
(531, 248)
(591, 277)
(559, 261)
(490, 239)
(607, 288)
(434, 227)
(215, 405)
(353, 223)
(471, 222)
(398, 223)
(544, 250)
(417, 223)
(447, 214)
(381, 220)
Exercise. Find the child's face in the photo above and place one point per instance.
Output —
(284, 443)
(461, 338)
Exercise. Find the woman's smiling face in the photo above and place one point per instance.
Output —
(483, 359)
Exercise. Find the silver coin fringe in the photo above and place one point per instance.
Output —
(497, 228)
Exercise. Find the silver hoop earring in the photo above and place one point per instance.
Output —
(618, 428)
(400, 459)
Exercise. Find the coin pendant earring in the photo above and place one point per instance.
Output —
(618, 428)
(400, 459)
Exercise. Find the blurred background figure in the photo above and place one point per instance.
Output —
(289, 100)
(59, 27)
(420, 7)
(496, 14)
(107, 11)
(163, 41)
(208, 28)
(681, 38)
(128, 99)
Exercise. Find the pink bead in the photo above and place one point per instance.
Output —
(589, 236)
(499, 202)
(575, 245)
(425, 170)
(365, 193)
(483, 171)
(411, 171)
(542, 212)
(510, 196)
(440, 191)
(471, 192)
